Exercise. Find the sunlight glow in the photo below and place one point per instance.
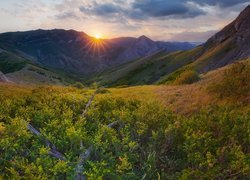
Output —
(96, 45)
(97, 36)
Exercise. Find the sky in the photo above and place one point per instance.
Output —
(166, 20)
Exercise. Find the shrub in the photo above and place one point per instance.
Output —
(234, 82)
(103, 91)
(148, 141)
(78, 85)
(187, 77)
(94, 85)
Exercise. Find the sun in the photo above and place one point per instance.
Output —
(96, 44)
(97, 36)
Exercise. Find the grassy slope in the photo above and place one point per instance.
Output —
(31, 74)
(150, 131)
(210, 57)
(10, 62)
(207, 59)
(23, 71)
(148, 70)
(138, 149)
(183, 99)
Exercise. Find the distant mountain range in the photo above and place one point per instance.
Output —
(77, 52)
(60, 56)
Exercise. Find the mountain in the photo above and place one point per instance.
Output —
(229, 45)
(146, 70)
(232, 43)
(120, 61)
(141, 47)
(76, 52)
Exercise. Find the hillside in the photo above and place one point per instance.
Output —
(232, 43)
(20, 70)
(78, 53)
(167, 132)
(147, 70)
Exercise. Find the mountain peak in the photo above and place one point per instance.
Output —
(143, 37)
(238, 28)
(242, 22)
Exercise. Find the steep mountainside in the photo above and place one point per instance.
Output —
(232, 43)
(77, 52)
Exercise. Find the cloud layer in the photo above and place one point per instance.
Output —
(179, 20)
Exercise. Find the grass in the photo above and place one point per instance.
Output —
(234, 82)
(166, 131)
(149, 141)
(211, 56)
(147, 70)
(31, 74)
(187, 77)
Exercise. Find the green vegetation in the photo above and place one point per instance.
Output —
(234, 82)
(170, 78)
(213, 55)
(78, 85)
(187, 77)
(147, 70)
(10, 63)
(128, 138)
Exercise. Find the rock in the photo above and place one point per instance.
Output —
(3, 78)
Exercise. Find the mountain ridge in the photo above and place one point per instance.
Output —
(77, 52)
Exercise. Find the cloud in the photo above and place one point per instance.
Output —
(67, 15)
(191, 36)
(221, 3)
(158, 19)
(146, 9)
(108, 8)
(163, 8)
(179, 8)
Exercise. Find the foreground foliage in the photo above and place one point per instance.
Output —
(149, 142)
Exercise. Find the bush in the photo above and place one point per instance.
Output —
(103, 91)
(148, 141)
(94, 85)
(78, 85)
(187, 77)
(234, 83)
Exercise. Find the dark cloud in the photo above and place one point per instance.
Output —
(101, 9)
(221, 3)
(179, 8)
(160, 8)
(107, 9)
(144, 9)
(67, 15)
